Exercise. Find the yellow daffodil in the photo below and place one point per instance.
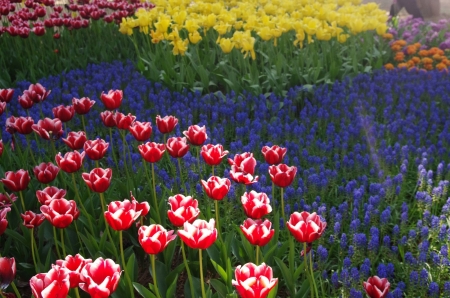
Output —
(156, 36)
(163, 23)
(195, 37)
(180, 46)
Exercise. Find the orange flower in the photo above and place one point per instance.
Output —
(411, 50)
(402, 65)
(415, 59)
(401, 42)
(410, 63)
(446, 61)
(388, 36)
(441, 66)
(423, 53)
(396, 47)
(427, 60)
(428, 66)
(389, 66)
(417, 45)
(437, 57)
(399, 57)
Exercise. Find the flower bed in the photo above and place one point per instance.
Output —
(370, 157)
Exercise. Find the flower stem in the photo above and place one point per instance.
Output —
(77, 194)
(22, 201)
(257, 254)
(154, 193)
(13, 285)
(56, 243)
(181, 177)
(306, 269)
(1, 294)
(198, 161)
(112, 148)
(282, 206)
(61, 232)
(312, 275)
(155, 283)
(216, 203)
(77, 294)
(32, 250)
(201, 273)
(191, 285)
(102, 202)
(31, 151)
(84, 126)
(125, 265)
(213, 170)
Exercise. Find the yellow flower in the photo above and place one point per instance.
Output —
(222, 28)
(323, 34)
(156, 36)
(226, 45)
(265, 33)
(311, 25)
(180, 46)
(125, 27)
(342, 38)
(191, 25)
(299, 37)
(248, 43)
(163, 23)
(209, 21)
(195, 37)
(179, 18)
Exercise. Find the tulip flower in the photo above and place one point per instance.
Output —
(6, 95)
(257, 231)
(244, 162)
(71, 162)
(141, 131)
(6, 200)
(48, 128)
(83, 105)
(166, 124)
(22, 125)
(98, 179)
(121, 215)
(216, 188)
(377, 287)
(16, 181)
(64, 113)
(7, 272)
(100, 278)
(273, 155)
(49, 194)
(32, 220)
(177, 147)
(213, 154)
(152, 152)
(2, 107)
(37, 93)
(75, 265)
(108, 118)
(25, 100)
(196, 135)
(75, 140)
(60, 212)
(113, 99)
(254, 281)
(55, 283)
(143, 207)
(96, 149)
(182, 209)
(306, 227)
(198, 235)
(3, 220)
(154, 238)
(46, 172)
(124, 121)
(282, 175)
(256, 205)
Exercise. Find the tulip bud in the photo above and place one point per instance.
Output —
(7, 272)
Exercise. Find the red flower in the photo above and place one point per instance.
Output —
(306, 227)
(273, 155)
(256, 204)
(49, 194)
(242, 177)
(75, 265)
(182, 209)
(143, 207)
(98, 179)
(254, 281)
(16, 181)
(60, 212)
(376, 287)
(25, 100)
(196, 135)
(121, 215)
(2, 107)
(6, 200)
(141, 131)
(96, 149)
(22, 125)
(124, 121)
(6, 95)
(177, 147)
(282, 175)
(113, 99)
(166, 124)
(63, 113)
(48, 128)
(75, 140)
(257, 232)
(7, 272)
(54, 283)
(244, 162)
(100, 278)
(37, 93)
(198, 235)
(154, 238)
(108, 118)
(83, 105)
(216, 188)
(46, 172)
(3, 220)
(152, 152)
(213, 154)
(71, 162)
(32, 220)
